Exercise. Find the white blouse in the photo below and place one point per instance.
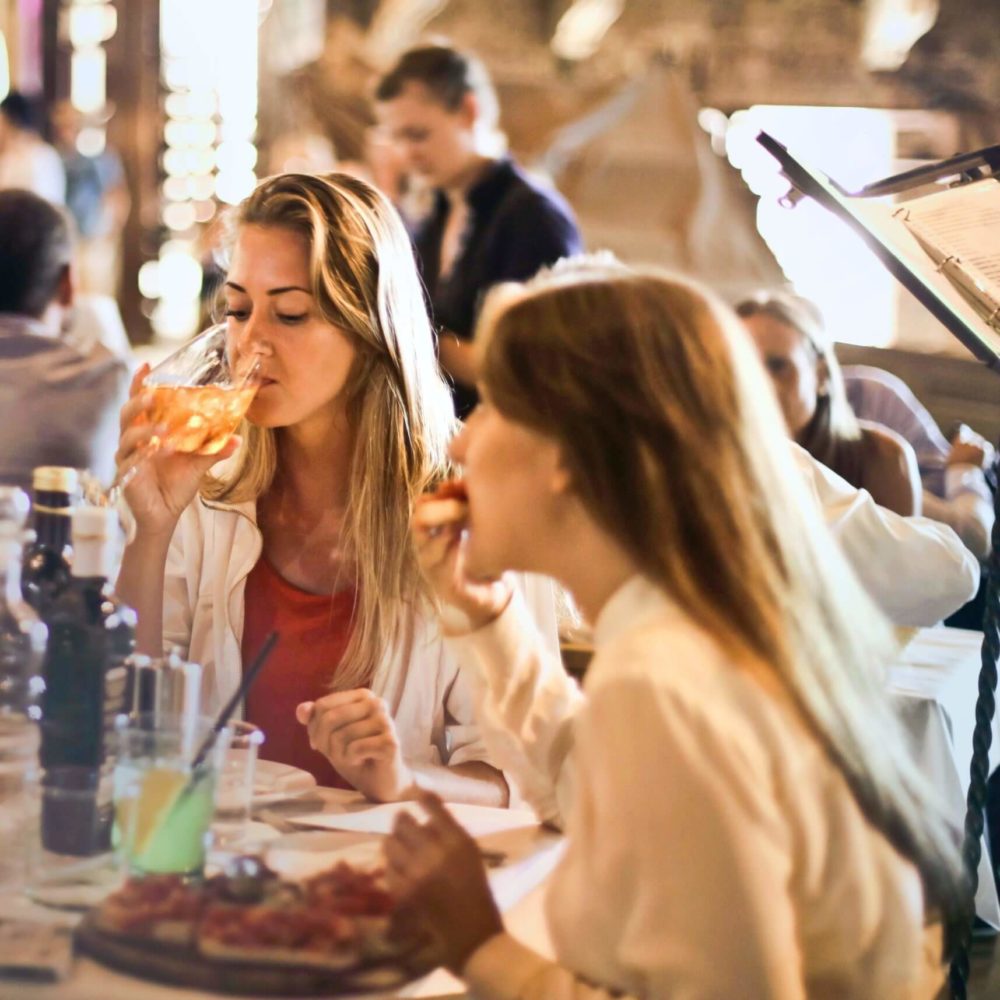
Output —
(916, 570)
(213, 550)
(713, 850)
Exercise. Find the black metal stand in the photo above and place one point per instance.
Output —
(979, 768)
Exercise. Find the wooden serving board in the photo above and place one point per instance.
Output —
(183, 965)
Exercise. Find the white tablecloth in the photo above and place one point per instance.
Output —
(934, 685)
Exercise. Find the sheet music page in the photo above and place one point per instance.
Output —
(960, 229)
(880, 218)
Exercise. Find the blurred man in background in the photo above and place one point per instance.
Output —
(59, 399)
(490, 222)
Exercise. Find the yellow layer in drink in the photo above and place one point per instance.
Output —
(162, 830)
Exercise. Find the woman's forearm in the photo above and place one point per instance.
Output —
(140, 585)
(475, 782)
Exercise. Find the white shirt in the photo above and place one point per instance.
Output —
(915, 569)
(35, 166)
(714, 851)
(213, 550)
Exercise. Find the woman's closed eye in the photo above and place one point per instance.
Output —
(289, 319)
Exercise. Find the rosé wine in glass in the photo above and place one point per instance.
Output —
(200, 395)
(199, 418)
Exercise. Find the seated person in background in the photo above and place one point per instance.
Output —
(490, 222)
(954, 487)
(916, 570)
(306, 530)
(27, 161)
(800, 360)
(743, 817)
(59, 398)
(97, 319)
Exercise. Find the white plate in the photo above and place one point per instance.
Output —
(479, 821)
(302, 855)
(273, 782)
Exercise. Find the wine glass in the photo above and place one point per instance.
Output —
(199, 396)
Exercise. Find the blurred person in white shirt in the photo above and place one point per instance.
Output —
(27, 161)
(743, 817)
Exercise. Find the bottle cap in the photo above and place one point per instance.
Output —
(14, 506)
(55, 479)
(93, 522)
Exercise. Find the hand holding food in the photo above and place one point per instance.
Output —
(435, 871)
(354, 731)
(438, 523)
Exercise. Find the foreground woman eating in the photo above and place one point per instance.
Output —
(742, 817)
(306, 529)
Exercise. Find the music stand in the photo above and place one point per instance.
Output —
(904, 258)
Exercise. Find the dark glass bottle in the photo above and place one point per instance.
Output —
(91, 635)
(46, 560)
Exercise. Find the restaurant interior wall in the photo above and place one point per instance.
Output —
(619, 130)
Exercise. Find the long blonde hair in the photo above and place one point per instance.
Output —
(676, 446)
(364, 280)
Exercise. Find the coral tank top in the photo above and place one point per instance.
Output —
(315, 630)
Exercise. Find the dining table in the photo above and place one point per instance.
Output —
(933, 683)
(303, 836)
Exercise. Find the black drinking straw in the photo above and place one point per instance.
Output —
(230, 706)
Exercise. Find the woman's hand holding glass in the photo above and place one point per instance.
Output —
(158, 482)
(355, 732)
(435, 870)
(466, 604)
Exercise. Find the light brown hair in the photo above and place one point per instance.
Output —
(364, 280)
(834, 421)
(676, 447)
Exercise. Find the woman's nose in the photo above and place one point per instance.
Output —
(252, 337)
(457, 445)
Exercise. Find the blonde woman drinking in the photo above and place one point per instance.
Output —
(741, 815)
(305, 527)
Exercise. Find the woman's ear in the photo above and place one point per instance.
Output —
(822, 377)
(561, 479)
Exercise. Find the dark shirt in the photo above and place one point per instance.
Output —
(515, 227)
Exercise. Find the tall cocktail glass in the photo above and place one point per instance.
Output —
(163, 811)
